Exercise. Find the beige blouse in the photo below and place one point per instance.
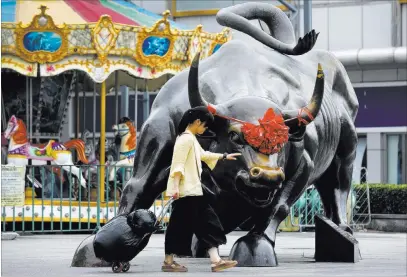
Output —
(186, 159)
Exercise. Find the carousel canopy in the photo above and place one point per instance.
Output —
(81, 12)
(98, 37)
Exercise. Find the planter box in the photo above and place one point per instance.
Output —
(388, 223)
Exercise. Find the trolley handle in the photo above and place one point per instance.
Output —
(165, 209)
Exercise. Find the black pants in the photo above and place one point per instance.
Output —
(192, 215)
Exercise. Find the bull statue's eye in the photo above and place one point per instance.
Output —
(234, 137)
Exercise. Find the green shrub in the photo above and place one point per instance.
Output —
(385, 198)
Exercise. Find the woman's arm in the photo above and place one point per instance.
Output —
(211, 159)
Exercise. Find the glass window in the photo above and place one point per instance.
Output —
(359, 171)
(394, 159)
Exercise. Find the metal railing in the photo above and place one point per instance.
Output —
(303, 212)
(55, 200)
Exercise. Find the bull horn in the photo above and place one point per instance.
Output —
(195, 97)
(305, 115)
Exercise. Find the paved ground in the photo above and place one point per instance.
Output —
(383, 254)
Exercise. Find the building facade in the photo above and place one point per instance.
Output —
(369, 37)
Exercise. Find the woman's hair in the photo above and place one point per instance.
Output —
(193, 114)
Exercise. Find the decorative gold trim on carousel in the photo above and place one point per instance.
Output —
(87, 63)
(22, 67)
(155, 45)
(97, 47)
(41, 41)
(104, 37)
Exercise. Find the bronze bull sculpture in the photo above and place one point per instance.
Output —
(264, 76)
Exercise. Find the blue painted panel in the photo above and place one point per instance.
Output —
(8, 10)
(216, 48)
(42, 41)
(156, 46)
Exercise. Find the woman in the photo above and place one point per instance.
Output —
(191, 212)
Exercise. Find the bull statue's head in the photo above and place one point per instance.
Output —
(260, 130)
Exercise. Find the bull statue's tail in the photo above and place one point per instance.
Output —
(281, 37)
(79, 146)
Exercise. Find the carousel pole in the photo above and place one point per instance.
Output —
(116, 108)
(27, 101)
(116, 97)
(146, 108)
(77, 111)
(102, 140)
(3, 115)
(94, 116)
(31, 109)
(83, 106)
(136, 106)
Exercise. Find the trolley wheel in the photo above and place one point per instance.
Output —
(126, 267)
(117, 267)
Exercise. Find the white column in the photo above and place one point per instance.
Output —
(376, 154)
(124, 111)
(357, 166)
(393, 165)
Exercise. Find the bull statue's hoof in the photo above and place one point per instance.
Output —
(253, 251)
(85, 255)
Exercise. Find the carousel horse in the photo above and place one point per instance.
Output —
(126, 132)
(20, 150)
(92, 154)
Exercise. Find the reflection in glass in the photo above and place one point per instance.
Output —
(394, 163)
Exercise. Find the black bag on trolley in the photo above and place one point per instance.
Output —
(123, 237)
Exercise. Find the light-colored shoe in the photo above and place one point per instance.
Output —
(174, 267)
(222, 265)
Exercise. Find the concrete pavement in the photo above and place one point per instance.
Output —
(384, 254)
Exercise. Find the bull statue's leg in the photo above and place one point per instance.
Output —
(257, 247)
(335, 184)
(153, 157)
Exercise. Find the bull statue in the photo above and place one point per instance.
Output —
(306, 107)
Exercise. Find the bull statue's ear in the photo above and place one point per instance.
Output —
(297, 134)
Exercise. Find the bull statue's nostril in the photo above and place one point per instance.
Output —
(255, 171)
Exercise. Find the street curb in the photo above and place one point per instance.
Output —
(9, 236)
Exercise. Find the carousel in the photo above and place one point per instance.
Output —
(59, 67)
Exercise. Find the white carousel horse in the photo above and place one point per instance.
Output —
(127, 133)
(92, 154)
(20, 150)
